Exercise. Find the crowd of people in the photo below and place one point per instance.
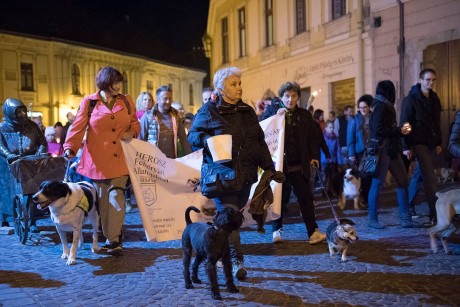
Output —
(107, 117)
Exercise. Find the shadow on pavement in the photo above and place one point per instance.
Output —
(133, 260)
(18, 279)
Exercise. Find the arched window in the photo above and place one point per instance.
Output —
(125, 83)
(190, 90)
(75, 80)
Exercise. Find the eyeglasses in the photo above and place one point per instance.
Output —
(430, 80)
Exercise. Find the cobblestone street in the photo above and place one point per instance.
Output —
(390, 267)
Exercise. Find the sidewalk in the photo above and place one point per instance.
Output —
(390, 267)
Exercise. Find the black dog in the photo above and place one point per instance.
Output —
(211, 243)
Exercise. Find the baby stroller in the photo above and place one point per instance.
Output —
(20, 180)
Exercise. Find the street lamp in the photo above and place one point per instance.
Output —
(207, 45)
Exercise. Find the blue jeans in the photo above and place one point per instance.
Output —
(424, 158)
(415, 185)
(235, 201)
(397, 169)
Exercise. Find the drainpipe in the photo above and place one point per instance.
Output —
(360, 75)
(401, 49)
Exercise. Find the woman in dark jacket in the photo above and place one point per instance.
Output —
(383, 127)
(228, 114)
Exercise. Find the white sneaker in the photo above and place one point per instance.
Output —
(219, 264)
(277, 236)
(317, 237)
(238, 270)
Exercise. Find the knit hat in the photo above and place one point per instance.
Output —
(50, 130)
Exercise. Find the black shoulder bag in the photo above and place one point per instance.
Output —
(370, 160)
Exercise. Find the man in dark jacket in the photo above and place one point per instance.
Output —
(301, 149)
(340, 129)
(422, 109)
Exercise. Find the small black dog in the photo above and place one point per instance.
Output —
(211, 243)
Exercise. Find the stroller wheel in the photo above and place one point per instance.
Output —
(21, 219)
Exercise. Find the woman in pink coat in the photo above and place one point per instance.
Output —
(107, 117)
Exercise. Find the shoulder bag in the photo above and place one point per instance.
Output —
(218, 180)
(370, 160)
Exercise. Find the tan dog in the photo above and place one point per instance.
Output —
(351, 189)
(447, 206)
(340, 236)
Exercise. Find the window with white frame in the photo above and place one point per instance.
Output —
(149, 86)
(125, 83)
(300, 16)
(242, 31)
(268, 23)
(27, 77)
(224, 34)
(190, 89)
(75, 80)
(339, 8)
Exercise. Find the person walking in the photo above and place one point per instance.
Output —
(383, 127)
(163, 127)
(357, 136)
(228, 114)
(421, 108)
(301, 150)
(112, 120)
(340, 129)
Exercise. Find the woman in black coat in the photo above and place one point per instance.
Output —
(383, 127)
(228, 114)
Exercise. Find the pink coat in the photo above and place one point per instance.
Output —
(102, 156)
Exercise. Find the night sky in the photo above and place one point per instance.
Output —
(165, 30)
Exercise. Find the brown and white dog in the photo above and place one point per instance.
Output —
(351, 189)
(340, 236)
(70, 204)
(447, 206)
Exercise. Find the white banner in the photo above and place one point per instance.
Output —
(165, 187)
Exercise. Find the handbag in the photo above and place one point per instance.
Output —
(218, 180)
(370, 160)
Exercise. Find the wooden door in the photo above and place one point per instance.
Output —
(445, 59)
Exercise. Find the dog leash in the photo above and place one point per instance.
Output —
(66, 176)
(327, 195)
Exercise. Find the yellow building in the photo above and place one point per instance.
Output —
(52, 76)
(324, 47)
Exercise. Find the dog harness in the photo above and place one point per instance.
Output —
(84, 204)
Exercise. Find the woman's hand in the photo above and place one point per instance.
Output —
(406, 129)
(127, 136)
(69, 154)
(281, 111)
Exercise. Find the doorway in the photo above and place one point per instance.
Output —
(445, 59)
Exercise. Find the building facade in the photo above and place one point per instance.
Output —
(338, 48)
(322, 45)
(411, 35)
(51, 77)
